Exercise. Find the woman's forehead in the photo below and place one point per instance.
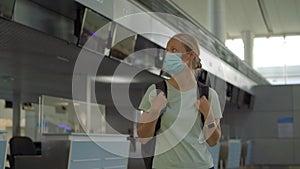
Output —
(175, 43)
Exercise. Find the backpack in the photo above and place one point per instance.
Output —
(148, 149)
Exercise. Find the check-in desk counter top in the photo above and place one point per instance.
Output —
(84, 137)
(3, 148)
(77, 151)
(2, 133)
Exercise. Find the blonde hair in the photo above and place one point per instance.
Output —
(191, 44)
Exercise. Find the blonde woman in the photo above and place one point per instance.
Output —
(180, 141)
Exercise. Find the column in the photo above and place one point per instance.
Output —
(16, 113)
(216, 18)
(248, 37)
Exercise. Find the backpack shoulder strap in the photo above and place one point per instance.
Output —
(203, 90)
(161, 86)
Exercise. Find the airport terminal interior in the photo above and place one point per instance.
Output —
(73, 74)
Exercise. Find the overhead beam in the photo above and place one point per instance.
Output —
(265, 16)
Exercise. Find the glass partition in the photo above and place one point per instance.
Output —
(59, 115)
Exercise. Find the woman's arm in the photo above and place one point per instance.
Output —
(147, 124)
(212, 131)
(212, 128)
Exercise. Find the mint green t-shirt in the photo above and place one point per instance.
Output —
(179, 144)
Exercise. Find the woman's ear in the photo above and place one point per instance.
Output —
(192, 55)
(200, 65)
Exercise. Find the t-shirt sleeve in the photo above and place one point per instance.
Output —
(145, 104)
(215, 103)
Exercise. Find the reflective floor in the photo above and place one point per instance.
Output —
(272, 167)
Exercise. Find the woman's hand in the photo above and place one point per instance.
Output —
(203, 106)
(159, 102)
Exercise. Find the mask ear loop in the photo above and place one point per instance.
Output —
(191, 51)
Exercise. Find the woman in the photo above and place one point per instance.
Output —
(180, 142)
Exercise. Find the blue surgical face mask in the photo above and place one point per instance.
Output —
(173, 64)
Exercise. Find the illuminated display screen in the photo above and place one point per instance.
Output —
(98, 27)
(123, 42)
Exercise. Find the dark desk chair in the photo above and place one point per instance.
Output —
(20, 146)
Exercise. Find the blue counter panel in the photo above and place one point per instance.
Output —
(88, 154)
(3, 145)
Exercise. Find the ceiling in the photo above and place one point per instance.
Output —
(262, 17)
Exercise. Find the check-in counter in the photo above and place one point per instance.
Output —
(3, 148)
(215, 153)
(102, 151)
(78, 151)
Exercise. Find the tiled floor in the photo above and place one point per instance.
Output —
(271, 167)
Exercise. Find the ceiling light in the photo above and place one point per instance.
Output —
(7, 78)
(63, 59)
(63, 104)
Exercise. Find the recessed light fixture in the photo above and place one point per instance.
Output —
(63, 103)
(7, 78)
(63, 59)
(115, 79)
